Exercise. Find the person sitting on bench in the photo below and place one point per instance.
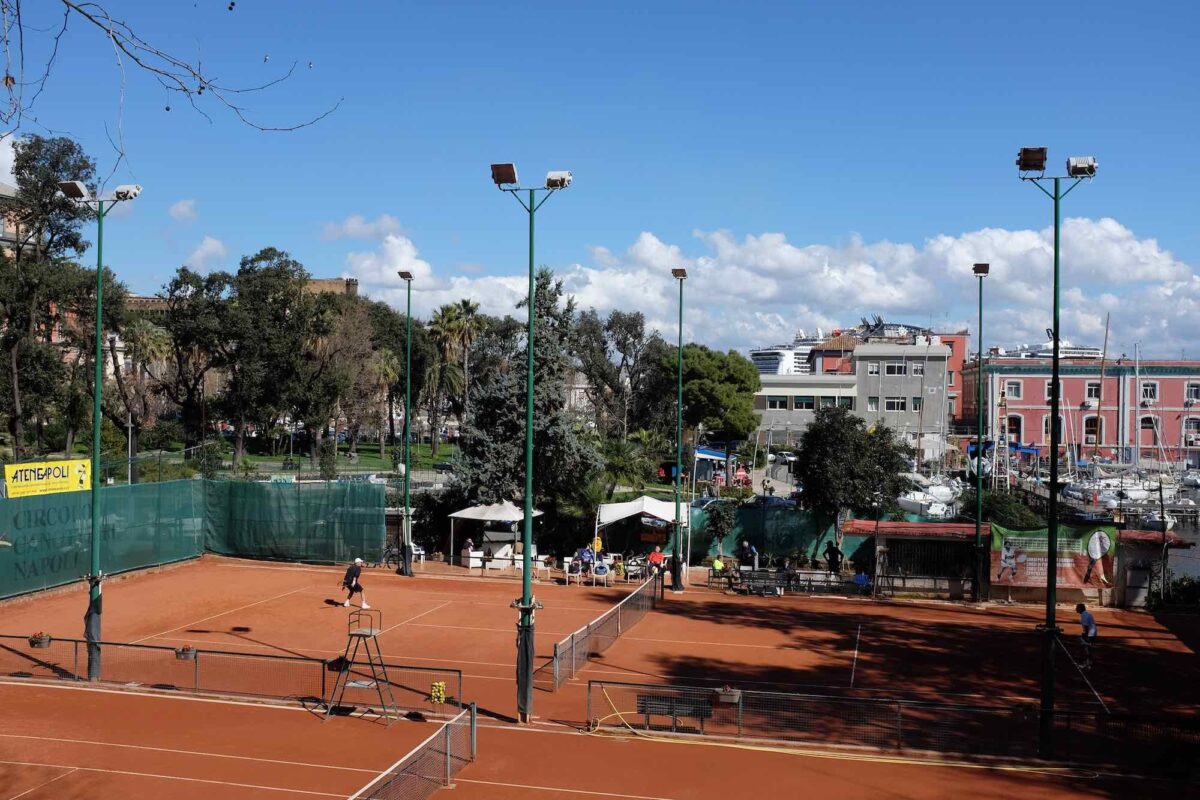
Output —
(722, 569)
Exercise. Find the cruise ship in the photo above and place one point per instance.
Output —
(787, 359)
(1066, 350)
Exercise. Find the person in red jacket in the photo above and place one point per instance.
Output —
(656, 560)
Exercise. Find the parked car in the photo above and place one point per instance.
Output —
(705, 502)
(769, 501)
(443, 466)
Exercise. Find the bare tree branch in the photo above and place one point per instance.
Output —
(175, 73)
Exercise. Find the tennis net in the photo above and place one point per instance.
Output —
(429, 766)
(572, 653)
(221, 672)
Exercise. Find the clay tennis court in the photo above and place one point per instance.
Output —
(68, 739)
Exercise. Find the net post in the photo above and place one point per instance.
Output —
(619, 618)
(741, 700)
(556, 664)
(459, 697)
(899, 727)
(589, 705)
(572, 655)
(75, 668)
(473, 730)
(196, 672)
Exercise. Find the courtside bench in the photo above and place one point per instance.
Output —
(665, 705)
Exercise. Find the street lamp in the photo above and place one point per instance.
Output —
(981, 271)
(1029, 161)
(505, 178)
(78, 191)
(405, 567)
(680, 274)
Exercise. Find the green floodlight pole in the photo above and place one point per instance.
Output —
(677, 564)
(406, 520)
(505, 178)
(1031, 160)
(981, 271)
(76, 190)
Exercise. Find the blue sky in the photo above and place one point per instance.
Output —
(810, 162)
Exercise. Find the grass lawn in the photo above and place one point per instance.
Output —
(369, 459)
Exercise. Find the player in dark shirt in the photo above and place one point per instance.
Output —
(351, 585)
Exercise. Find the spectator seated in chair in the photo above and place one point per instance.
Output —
(656, 559)
(863, 581)
(722, 569)
(791, 576)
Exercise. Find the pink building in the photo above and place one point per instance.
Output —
(1137, 412)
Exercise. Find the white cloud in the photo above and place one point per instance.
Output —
(208, 251)
(379, 267)
(759, 289)
(357, 227)
(183, 211)
(7, 156)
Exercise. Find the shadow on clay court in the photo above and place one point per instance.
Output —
(906, 651)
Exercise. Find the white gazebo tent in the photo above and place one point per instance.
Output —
(609, 513)
(497, 512)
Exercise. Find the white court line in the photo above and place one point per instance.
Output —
(47, 783)
(564, 791)
(418, 616)
(173, 778)
(1085, 678)
(854, 664)
(221, 614)
(182, 752)
(267, 704)
(693, 641)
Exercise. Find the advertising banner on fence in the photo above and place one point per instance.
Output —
(1084, 558)
(47, 477)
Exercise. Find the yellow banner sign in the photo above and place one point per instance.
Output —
(48, 477)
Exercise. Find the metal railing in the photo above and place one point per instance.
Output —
(572, 653)
(429, 766)
(223, 672)
(1088, 734)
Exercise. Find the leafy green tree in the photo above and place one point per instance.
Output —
(38, 281)
(612, 355)
(134, 402)
(260, 344)
(721, 519)
(491, 461)
(843, 465)
(388, 332)
(1002, 508)
(470, 324)
(195, 320)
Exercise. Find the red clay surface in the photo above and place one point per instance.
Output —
(61, 743)
(825, 646)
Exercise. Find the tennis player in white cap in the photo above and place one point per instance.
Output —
(351, 585)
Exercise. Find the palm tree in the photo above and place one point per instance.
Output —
(625, 463)
(444, 380)
(470, 325)
(387, 371)
(145, 344)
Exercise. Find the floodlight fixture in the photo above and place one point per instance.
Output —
(1081, 167)
(558, 179)
(75, 190)
(504, 174)
(1050, 334)
(1031, 159)
(679, 272)
(981, 269)
(406, 275)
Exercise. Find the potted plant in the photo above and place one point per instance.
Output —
(39, 640)
(186, 653)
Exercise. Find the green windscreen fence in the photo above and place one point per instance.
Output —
(46, 541)
(323, 521)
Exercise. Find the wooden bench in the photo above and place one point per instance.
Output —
(676, 708)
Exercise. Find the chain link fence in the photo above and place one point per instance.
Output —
(430, 766)
(572, 653)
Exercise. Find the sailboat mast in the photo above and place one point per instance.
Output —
(1100, 399)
